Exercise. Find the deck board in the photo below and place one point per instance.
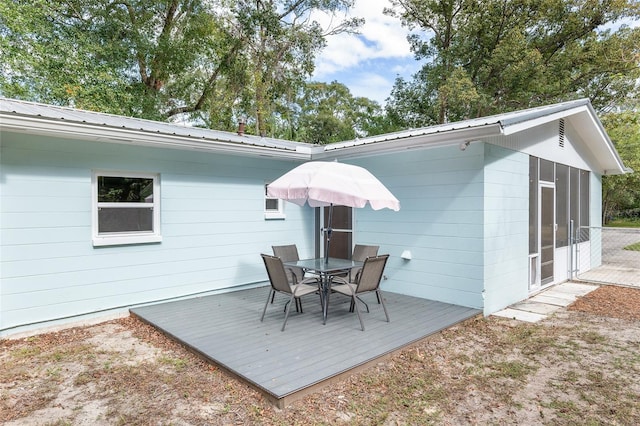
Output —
(226, 329)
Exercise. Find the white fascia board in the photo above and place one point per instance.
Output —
(588, 125)
(35, 125)
(423, 141)
(510, 129)
(310, 150)
(605, 149)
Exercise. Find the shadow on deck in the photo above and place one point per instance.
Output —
(226, 329)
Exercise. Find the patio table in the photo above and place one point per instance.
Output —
(325, 270)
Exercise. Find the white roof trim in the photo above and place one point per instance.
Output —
(396, 142)
(29, 117)
(477, 129)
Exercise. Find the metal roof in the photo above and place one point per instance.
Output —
(499, 122)
(29, 116)
(22, 116)
(579, 112)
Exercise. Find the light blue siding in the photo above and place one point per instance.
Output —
(440, 221)
(212, 220)
(463, 217)
(506, 221)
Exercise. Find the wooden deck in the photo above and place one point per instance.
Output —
(226, 329)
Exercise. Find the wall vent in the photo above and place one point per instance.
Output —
(561, 133)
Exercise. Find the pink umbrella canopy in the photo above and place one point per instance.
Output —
(324, 183)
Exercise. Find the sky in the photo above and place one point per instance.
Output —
(367, 63)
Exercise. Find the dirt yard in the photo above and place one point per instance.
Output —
(580, 366)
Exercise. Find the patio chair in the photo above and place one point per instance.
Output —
(280, 284)
(289, 253)
(360, 253)
(367, 281)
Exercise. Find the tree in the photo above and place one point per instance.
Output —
(281, 41)
(135, 57)
(211, 60)
(491, 56)
(328, 112)
(622, 192)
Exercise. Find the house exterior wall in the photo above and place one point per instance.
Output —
(506, 227)
(544, 142)
(441, 222)
(464, 218)
(212, 218)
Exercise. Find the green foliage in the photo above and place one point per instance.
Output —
(329, 113)
(121, 189)
(208, 61)
(622, 192)
(280, 42)
(133, 58)
(491, 56)
(214, 61)
(623, 223)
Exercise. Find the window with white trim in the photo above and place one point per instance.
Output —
(125, 208)
(273, 207)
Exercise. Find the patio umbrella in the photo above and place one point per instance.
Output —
(324, 183)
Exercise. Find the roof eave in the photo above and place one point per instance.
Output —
(101, 133)
(620, 168)
(577, 110)
(516, 126)
(417, 141)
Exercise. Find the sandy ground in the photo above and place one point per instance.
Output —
(579, 366)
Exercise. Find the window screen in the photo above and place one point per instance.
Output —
(562, 205)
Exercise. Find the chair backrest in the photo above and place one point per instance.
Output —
(276, 272)
(361, 252)
(289, 253)
(371, 273)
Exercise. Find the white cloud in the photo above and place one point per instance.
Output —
(372, 86)
(380, 37)
(367, 63)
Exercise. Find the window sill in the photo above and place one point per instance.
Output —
(126, 240)
(275, 216)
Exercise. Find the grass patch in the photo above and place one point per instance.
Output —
(592, 337)
(69, 353)
(26, 352)
(59, 423)
(623, 223)
(515, 370)
(84, 378)
(177, 363)
(564, 409)
(633, 247)
(529, 339)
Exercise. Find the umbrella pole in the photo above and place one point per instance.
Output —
(328, 242)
